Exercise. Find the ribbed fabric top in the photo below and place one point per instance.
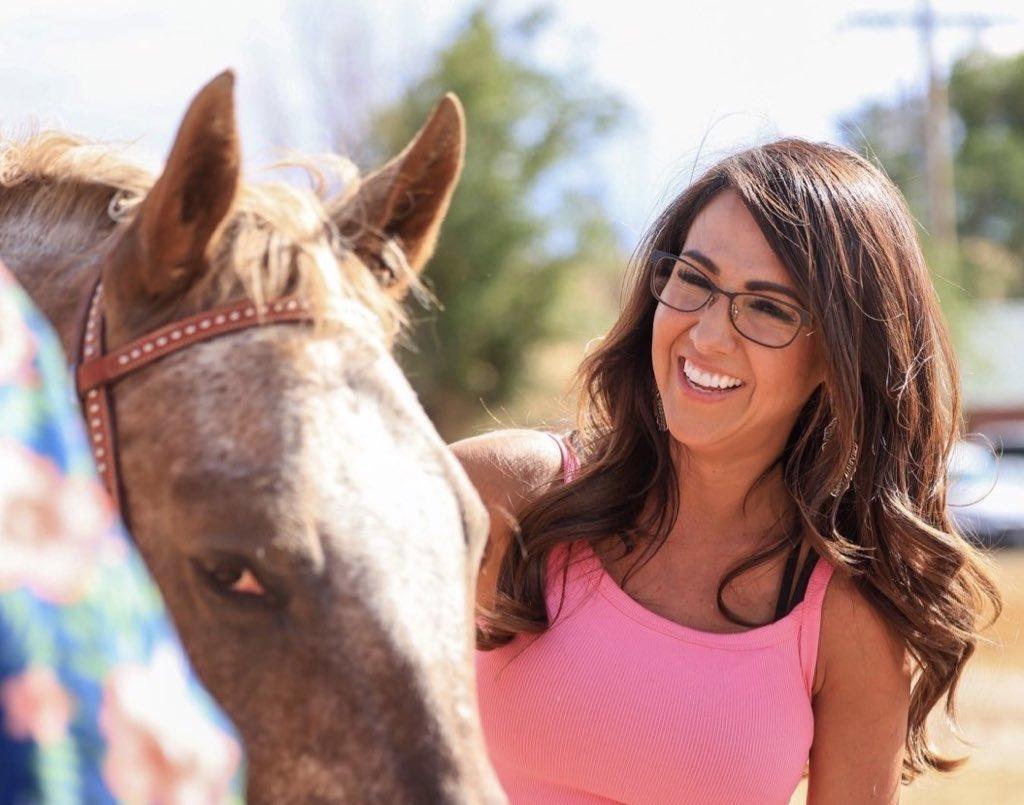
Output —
(615, 703)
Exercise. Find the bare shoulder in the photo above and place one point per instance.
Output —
(507, 465)
(858, 645)
(508, 468)
(861, 701)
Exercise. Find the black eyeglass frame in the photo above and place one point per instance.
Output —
(805, 317)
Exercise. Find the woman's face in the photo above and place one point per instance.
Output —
(758, 414)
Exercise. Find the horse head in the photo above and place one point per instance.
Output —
(316, 542)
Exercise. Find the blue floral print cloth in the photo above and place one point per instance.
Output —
(97, 700)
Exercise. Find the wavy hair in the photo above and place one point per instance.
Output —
(843, 232)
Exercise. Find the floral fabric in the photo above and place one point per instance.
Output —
(97, 701)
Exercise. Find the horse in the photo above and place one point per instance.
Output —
(314, 538)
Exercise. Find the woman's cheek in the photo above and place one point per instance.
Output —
(660, 348)
(663, 333)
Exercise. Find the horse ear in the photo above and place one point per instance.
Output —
(406, 200)
(165, 249)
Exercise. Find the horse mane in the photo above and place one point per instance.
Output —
(278, 237)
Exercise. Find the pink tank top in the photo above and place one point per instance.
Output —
(615, 703)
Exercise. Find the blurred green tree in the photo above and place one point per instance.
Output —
(520, 236)
(986, 95)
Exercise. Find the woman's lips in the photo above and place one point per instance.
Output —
(700, 393)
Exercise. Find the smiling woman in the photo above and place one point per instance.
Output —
(749, 565)
(692, 337)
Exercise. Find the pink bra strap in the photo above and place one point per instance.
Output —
(810, 627)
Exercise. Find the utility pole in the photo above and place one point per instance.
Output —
(937, 140)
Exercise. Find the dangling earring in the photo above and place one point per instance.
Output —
(851, 463)
(659, 412)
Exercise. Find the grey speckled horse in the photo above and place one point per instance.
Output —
(315, 540)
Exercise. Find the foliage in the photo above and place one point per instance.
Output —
(516, 240)
(988, 96)
(987, 104)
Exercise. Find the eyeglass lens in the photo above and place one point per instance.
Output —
(759, 318)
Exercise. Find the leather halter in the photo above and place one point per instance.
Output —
(97, 371)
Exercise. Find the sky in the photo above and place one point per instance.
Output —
(702, 78)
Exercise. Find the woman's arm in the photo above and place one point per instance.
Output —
(861, 700)
(506, 467)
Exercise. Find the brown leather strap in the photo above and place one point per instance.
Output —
(97, 371)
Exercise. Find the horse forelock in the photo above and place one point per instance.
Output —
(65, 192)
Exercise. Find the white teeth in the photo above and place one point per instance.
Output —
(707, 379)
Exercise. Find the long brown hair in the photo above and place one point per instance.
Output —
(848, 241)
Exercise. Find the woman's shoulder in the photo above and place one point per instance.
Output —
(861, 698)
(509, 462)
(859, 645)
(508, 468)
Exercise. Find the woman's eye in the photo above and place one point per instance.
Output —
(690, 277)
(776, 311)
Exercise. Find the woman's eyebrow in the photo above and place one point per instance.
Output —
(751, 285)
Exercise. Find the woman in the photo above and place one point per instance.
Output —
(761, 569)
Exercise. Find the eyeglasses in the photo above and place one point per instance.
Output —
(678, 283)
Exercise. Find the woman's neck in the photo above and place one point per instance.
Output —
(712, 494)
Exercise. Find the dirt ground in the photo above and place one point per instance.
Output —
(991, 709)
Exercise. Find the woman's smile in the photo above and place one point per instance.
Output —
(701, 384)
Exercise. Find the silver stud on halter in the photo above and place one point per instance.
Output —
(97, 371)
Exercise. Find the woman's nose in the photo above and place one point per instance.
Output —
(713, 331)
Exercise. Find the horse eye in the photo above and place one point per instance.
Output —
(234, 577)
(247, 584)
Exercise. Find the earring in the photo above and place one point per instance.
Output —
(659, 411)
(851, 463)
(827, 433)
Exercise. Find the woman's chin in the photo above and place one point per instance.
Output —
(698, 426)
(697, 440)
